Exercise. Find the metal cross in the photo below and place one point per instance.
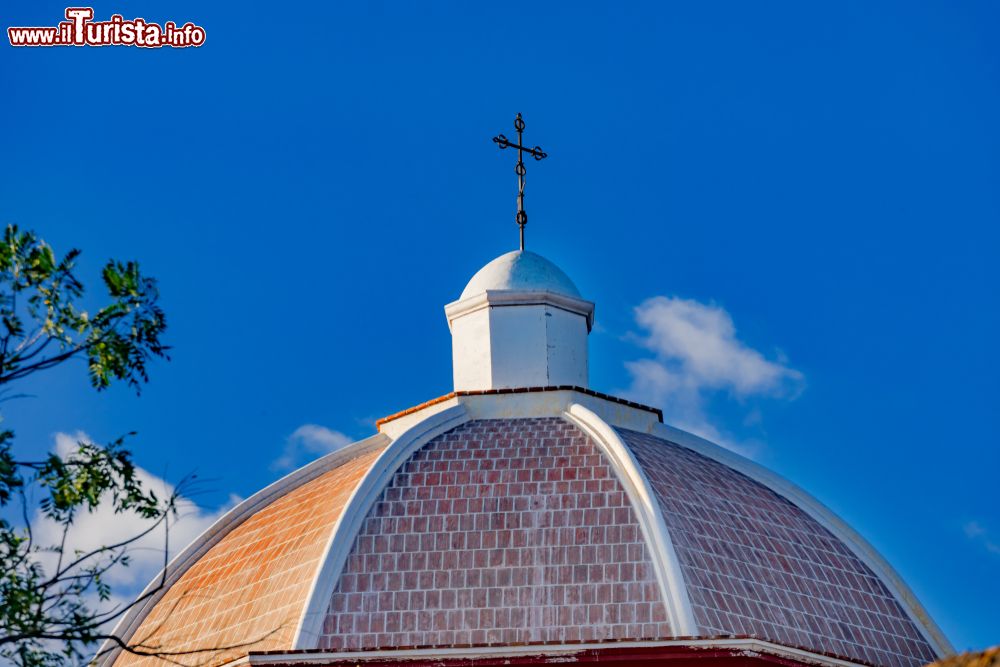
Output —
(536, 152)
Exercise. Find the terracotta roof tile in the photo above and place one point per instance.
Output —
(501, 531)
(517, 531)
(756, 564)
(248, 591)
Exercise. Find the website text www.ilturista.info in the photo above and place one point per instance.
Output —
(81, 30)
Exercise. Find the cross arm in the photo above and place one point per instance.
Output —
(504, 142)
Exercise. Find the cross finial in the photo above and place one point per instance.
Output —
(536, 152)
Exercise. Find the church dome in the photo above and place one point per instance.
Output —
(531, 523)
(523, 271)
(523, 519)
(526, 519)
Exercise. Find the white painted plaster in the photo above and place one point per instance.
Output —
(471, 354)
(822, 514)
(520, 270)
(341, 540)
(535, 346)
(530, 404)
(498, 298)
(518, 345)
(649, 515)
(401, 425)
(566, 348)
(520, 322)
(503, 340)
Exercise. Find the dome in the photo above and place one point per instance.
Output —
(522, 271)
(547, 519)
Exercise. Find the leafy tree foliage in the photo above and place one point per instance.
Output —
(53, 601)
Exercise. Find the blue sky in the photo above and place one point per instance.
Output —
(315, 183)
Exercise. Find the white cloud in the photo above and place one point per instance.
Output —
(309, 439)
(973, 529)
(696, 354)
(103, 527)
(700, 341)
(978, 534)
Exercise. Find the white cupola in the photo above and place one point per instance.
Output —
(520, 322)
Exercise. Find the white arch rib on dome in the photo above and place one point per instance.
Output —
(627, 470)
(649, 515)
(520, 271)
(347, 527)
(826, 518)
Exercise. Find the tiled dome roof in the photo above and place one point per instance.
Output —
(507, 519)
(252, 575)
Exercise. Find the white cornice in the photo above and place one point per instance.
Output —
(561, 652)
(549, 402)
(499, 298)
(649, 514)
(818, 511)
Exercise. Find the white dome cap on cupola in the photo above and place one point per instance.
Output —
(521, 270)
(520, 322)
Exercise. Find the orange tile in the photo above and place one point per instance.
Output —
(248, 591)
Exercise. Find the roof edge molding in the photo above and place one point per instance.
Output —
(527, 402)
(179, 564)
(347, 527)
(649, 514)
(747, 646)
(500, 298)
(826, 518)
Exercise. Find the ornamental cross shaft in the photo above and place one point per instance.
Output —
(536, 152)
